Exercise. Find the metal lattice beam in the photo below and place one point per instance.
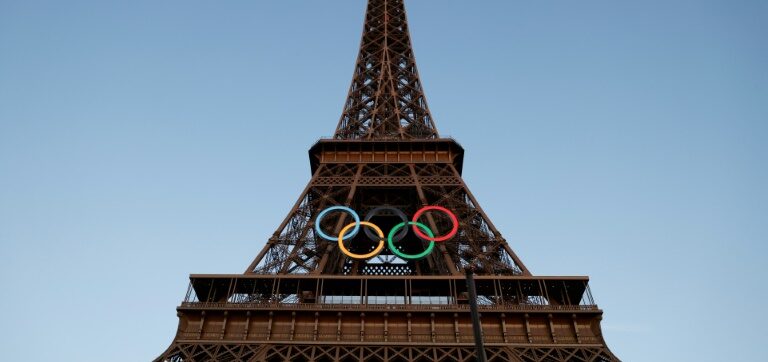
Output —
(386, 99)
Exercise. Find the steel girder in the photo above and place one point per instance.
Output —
(196, 352)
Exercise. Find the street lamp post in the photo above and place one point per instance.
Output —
(479, 346)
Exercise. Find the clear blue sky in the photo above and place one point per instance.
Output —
(141, 141)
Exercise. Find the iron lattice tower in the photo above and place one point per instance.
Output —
(303, 299)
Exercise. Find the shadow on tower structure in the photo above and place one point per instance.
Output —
(392, 288)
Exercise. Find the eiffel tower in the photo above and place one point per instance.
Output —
(370, 263)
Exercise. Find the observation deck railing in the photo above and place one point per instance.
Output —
(386, 307)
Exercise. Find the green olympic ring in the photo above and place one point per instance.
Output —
(393, 248)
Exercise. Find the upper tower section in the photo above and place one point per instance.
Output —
(386, 100)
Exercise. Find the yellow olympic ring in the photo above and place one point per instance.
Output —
(361, 256)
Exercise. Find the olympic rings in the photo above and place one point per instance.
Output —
(341, 208)
(395, 234)
(445, 237)
(410, 256)
(362, 256)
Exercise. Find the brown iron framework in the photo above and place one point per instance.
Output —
(386, 100)
(301, 299)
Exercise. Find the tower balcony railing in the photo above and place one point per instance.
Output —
(384, 307)
(495, 292)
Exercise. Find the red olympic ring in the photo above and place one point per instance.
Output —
(445, 237)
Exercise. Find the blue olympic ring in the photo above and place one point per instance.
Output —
(347, 236)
